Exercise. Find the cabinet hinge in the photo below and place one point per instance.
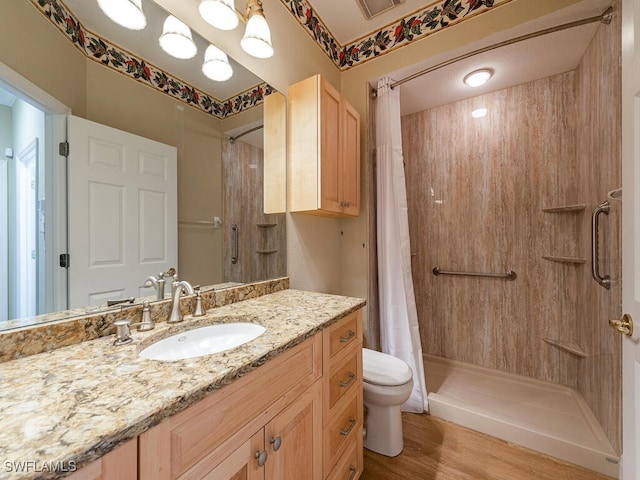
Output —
(63, 149)
(65, 260)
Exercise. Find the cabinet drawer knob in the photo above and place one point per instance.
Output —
(351, 425)
(262, 457)
(348, 338)
(353, 471)
(276, 442)
(352, 377)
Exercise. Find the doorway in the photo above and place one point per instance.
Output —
(32, 200)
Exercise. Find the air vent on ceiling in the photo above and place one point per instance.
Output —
(371, 8)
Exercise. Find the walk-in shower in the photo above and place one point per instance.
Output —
(515, 331)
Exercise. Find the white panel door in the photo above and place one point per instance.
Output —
(631, 238)
(122, 212)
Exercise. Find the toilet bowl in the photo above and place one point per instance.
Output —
(388, 382)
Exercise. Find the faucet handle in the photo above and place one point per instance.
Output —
(147, 322)
(198, 310)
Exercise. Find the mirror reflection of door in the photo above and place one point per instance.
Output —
(123, 203)
(23, 195)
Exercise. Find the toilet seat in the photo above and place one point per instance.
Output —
(384, 370)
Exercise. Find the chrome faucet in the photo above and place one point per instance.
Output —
(176, 315)
(159, 282)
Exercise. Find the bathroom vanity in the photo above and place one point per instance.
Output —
(285, 405)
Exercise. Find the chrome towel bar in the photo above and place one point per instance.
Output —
(605, 281)
(509, 275)
(234, 243)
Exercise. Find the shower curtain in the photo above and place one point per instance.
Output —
(399, 333)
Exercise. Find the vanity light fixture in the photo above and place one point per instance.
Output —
(126, 13)
(257, 37)
(478, 77)
(479, 112)
(216, 64)
(219, 13)
(176, 39)
(223, 15)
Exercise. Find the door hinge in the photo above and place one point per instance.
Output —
(65, 260)
(63, 149)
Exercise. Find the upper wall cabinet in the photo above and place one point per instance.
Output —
(324, 150)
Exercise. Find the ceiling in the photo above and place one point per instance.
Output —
(515, 64)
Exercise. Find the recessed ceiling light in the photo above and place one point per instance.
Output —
(479, 113)
(478, 77)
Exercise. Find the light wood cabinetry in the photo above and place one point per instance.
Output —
(195, 442)
(119, 464)
(275, 153)
(297, 417)
(324, 150)
(342, 399)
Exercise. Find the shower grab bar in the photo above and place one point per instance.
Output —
(605, 280)
(509, 275)
(234, 256)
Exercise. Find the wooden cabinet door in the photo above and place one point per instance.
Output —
(243, 463)
(294, 439)
(350, 165)
(330, 147)
(119, 464)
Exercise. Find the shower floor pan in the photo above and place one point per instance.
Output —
(542, 416)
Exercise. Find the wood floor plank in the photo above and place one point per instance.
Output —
(439, 450)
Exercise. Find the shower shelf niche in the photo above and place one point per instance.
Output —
(576, 260)
(566, 209)
(568, 347)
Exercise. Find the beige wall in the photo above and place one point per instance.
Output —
(37, 51)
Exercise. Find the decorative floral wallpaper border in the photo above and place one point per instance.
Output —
(102, 51)
(430, 19)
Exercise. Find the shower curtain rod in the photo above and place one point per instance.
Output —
(233, 139)
(605, 18)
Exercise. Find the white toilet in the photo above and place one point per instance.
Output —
(388, 382)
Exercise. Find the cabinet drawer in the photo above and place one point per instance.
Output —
(342, 431)
(345, 333)
(345, 377)
(348, 466)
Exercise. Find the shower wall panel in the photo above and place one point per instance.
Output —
(261, 238)
(476, 190)
(598, 100)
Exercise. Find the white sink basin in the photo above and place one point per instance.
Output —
(202, 341)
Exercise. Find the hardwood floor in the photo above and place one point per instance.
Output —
(439, 450)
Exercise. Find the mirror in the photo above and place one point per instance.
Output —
(143, 107)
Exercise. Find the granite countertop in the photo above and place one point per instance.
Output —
(77, 403)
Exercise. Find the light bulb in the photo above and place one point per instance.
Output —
(257, 38)
(176, 39)
(216, 64)
(126, 13)
(219, 13)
